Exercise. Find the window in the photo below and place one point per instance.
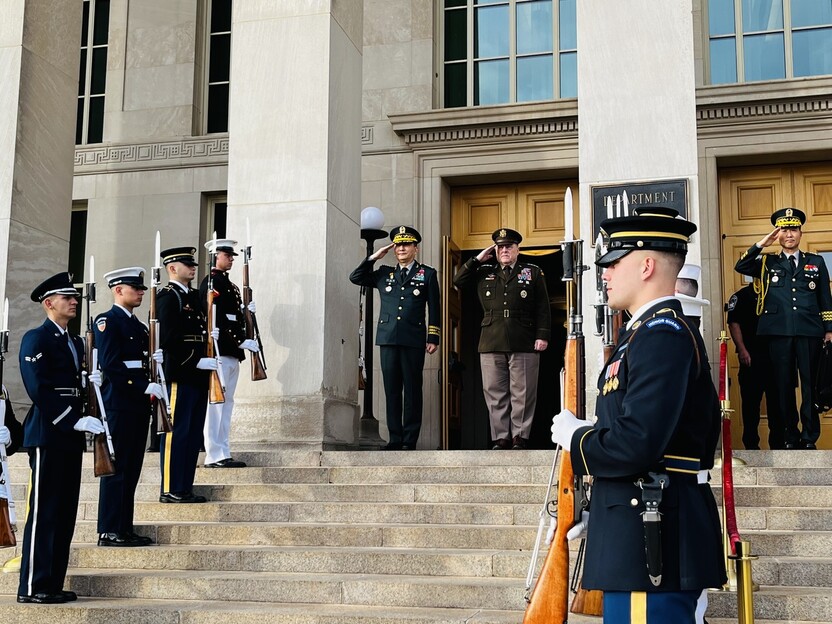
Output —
(92, 78)
(502, 51)
(77, 259)
(218, 55)
(751, 40)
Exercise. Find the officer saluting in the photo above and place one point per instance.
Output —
(122, 342)
(183, 338)
(51, 360)
(405, 291)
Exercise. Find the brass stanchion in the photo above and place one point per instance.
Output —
(745, 584)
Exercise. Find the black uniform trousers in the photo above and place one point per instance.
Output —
(401, 368)
(752, 387)
(785, 352)
(50, 523)
(117, 492)
(179, 449)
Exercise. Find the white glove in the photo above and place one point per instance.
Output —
(564, 425)
(215, 333)
(158, 357)
(579, 530)
(5, 436)
(155, 390)
(210, 364)
(89, 424)
(95, 378)
(252, 308)
(250, 344)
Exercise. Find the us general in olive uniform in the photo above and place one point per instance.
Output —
(795, 313)
(517, 317)
(402, 334)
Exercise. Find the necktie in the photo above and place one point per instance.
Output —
(793, 260)
(402, 273)
(506, 271)
(72, 349)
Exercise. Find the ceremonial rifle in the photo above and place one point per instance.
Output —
(102, 443)
(8, 516)
(216, 387)
(161, 407)
(258, 360)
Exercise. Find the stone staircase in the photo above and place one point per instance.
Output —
(305, 536)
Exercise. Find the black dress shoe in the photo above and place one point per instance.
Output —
(392, 446)
(790, 446)
(119, 540)
(187, 497)
(43, 598)
(228, 462)
(143, 540)
(520, 443)
(810, 446)
(70, 596)
(503, 444)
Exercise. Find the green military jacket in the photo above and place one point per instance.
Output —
(515, 305)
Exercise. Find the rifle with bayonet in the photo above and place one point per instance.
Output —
(161, 407)
(8, 517)
(102, 443)
(216, 387)
(258, 360)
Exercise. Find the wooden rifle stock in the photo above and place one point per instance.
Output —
(160, 408)
(258, 360)
(215, 389)
(103, 464)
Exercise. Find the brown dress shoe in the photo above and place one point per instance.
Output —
(520, 443)
(501, 445)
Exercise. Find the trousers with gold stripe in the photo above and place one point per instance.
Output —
(179, 449)
(650, 607)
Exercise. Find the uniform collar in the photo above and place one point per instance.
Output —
(123, 309)
(60, 329)
(408, 267)
(796, 254)
(640, 312)
(182, 287)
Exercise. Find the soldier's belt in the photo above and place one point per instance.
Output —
(134, 363)
(193, 338)
(68, 392)
(677, 463)
(507, 313)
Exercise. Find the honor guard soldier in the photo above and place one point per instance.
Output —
(516, 327)
(122, 342)
(231, 322)
(794, 306)
(183, 337)
(51, 361)
(11, 431)
(405, 291)
(653, 540)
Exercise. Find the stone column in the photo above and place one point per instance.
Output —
(636, 106)
(294, 173)
(39, 51)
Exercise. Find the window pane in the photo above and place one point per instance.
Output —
(723, 61)
(98, 79)
(812, 51)
(764, 57)
(220, 16)
(220, 219)
(217, 108)
(568, 25)
(721, 17)
(491, 82)
(569, 75)
(534, 27)
(85, 23)
(491, 28)
(456, 86)
(79, 122)
(102, 22)
(762, 15)
(454, 3)
(811, 13)
(456, 36)
(95, 127)
(491, 2)
(220, 61)
(77, 242)
(82, 72)
(534, 78)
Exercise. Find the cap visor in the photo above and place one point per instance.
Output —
(611, 256)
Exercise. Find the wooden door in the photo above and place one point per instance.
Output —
(451, 347)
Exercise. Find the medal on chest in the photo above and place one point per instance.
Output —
(611, 382)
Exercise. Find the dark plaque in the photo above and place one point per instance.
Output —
(670, 193)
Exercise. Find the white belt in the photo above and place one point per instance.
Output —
(133, 363)
(703, 476)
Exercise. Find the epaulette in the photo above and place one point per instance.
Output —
(529, 264)
(426, 266)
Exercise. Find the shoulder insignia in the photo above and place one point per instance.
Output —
(33, 358)
(663, 320)
(427, 266)
(101, 324)
(732, 302)
(529, 264)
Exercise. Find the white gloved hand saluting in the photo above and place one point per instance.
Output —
(159, 357)
(154, 390)
(250, 344)
(564, 426)
(95, 378)
(215, 333)
(210, 364)
(89, 424)
(5, 436)
(252, 308)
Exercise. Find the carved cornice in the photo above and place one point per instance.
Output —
(170, 154)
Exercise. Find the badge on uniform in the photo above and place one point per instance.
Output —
(415, 292)
(101, 324)
(420, 276)
(524, 294)
(811, 267)
(812, 286)
(775, 279)
(611, 377)
(388, 289)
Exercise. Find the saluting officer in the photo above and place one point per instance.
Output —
(795, 310)
(122, 341)
(516, 328)
(51, 360)
(183, 338)
(405, 291)
(655, 437)
(231, 323)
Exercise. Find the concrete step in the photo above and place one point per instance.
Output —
(790, 604)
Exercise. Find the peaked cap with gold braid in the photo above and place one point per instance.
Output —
(788, 217)
(405, 234)
(650, 227)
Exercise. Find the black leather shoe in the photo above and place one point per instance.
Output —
(43, 598)
(503, 444)
(392, 446)
(187, 497)
(228, 462)
(70, 596)
(790, 446)
(120, 540)
(810, 446)
(520, 443)
(143, 540)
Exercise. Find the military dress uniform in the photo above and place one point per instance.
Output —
(51, 360)
(122, 341)
(516, 310)
(402, 334)
(796, 313)
(231, 322)
(183, 336)
(11, 423)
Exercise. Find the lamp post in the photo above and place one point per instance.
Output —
(372, 220)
